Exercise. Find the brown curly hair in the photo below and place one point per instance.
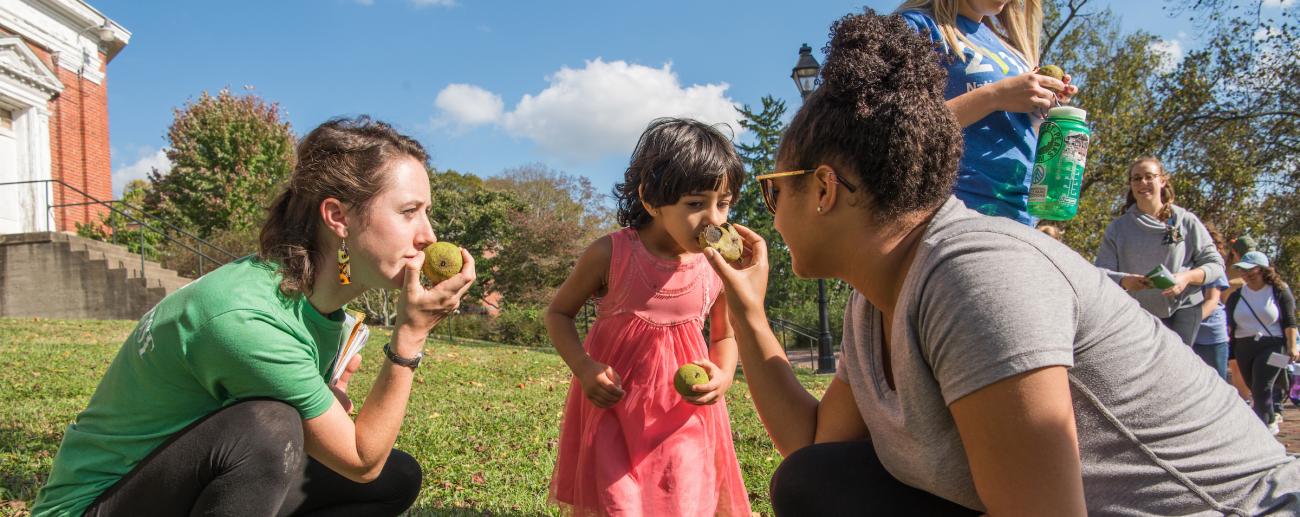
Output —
(675, 157)
(880, 113)
(341, 159)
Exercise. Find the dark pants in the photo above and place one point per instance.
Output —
(247, 460)
(1215, 355)
(1185, 322)
(1252, 359)
(847, 478)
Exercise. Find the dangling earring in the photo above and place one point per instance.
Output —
(345, 266)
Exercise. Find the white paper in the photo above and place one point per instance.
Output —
(1277, 360)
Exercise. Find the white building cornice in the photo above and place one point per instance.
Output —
(71, 28)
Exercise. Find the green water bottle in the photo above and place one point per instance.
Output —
(1058, 164)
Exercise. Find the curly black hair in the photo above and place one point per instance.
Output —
(673, 158)
(880, 114)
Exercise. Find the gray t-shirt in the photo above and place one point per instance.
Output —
(985, 299)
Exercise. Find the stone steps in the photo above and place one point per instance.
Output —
(58, 275)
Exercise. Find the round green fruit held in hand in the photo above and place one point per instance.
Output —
(1052, 71)
(442, 260)
(723, 238)
(689, 375)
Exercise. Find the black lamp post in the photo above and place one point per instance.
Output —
(805, 78)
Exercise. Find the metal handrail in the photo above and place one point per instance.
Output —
(49, 207)
(142, 211)
(780, 326)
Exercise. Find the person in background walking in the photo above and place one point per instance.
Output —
(1262, 319)
(1211, 342)
(1154, 232)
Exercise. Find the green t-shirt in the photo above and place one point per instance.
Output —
(228, 336)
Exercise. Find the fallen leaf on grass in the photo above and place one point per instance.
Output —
(478, 478)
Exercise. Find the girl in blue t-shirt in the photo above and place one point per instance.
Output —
(992, 47)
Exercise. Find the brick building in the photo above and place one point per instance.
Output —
(54, 56)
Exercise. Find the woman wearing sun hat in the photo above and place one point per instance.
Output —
(1261, 316)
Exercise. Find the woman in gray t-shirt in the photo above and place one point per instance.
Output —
(985, 366)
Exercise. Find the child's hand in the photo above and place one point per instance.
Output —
(710, 392)
(601, 384)
(746, 285)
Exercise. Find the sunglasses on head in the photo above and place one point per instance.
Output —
(766, 185)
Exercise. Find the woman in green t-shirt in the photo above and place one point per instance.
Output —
(221, 403)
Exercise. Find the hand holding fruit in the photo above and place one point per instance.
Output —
(600, 383)
(1064, 94)
(1025, 93)
(701, 383)
(746, 283)
(420, 309)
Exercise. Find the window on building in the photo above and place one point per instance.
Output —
(6, 121)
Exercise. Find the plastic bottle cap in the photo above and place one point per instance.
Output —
(1068, 112)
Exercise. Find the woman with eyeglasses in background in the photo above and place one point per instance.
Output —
(1151, 232)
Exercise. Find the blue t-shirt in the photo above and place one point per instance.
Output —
(993, 177)
(1214, 329)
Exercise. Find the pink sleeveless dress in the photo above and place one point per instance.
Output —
(652, 453)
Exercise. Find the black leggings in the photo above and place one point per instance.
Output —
(1185, 322)
(847, 478)
(247, 460)
(1252, 360)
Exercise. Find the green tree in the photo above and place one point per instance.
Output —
(561, 215)
(229, 154)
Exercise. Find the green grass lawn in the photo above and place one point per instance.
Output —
(482, 420)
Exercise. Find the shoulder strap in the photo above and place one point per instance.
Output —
(1253, 313)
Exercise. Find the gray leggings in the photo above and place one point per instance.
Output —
(1252, 359)
(247, 460)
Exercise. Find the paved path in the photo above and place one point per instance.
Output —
(1290, 435)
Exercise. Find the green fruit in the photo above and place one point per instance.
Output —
(723, 238)
(442, 260)
(689, 375)
(1052, 71)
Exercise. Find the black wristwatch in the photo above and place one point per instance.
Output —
(409, 362)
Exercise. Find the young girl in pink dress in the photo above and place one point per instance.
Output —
(630, 445)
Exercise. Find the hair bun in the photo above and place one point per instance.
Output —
(872, 60)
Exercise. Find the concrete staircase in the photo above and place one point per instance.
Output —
(59, 275)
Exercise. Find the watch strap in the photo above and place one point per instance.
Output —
(409, 362)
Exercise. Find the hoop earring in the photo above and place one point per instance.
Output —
(345, 264)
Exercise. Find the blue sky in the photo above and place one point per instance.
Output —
(484, 85)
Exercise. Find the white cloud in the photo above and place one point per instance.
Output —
(601, 109)
(1278, 3)
(146, 160)
(466, 105)
(365, 2)
(1170, 52)
(438, 3)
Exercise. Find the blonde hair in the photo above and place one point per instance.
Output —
(1020, 25)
